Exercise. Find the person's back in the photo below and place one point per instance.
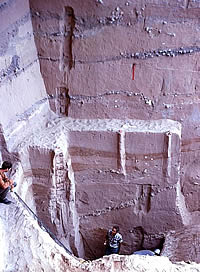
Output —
(144, 252)
(148, 252)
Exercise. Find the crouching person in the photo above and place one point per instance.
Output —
(5, 184)
(148, 252)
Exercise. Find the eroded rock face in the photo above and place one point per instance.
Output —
(29, 248)
(89, 175)
(26, 246)
(77, 78)
(124, 59)
(120, 181)
(183, 244)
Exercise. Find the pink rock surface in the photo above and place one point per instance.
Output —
(79, 58)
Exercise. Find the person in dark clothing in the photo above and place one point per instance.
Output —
(113, 241)
(5, 184)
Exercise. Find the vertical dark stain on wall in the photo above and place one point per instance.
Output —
(69, 24)
(187, 3)
(62, 101)
(165, 157)
(145, 198)
(148, 190)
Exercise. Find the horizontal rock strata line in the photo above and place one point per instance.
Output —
(6, 5)
(120, 15)
(138, 55)
(14, 69)
(128, 203)
(13, 28)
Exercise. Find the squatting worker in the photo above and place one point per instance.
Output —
(148, 252)
(113, 241)
(5, 184)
